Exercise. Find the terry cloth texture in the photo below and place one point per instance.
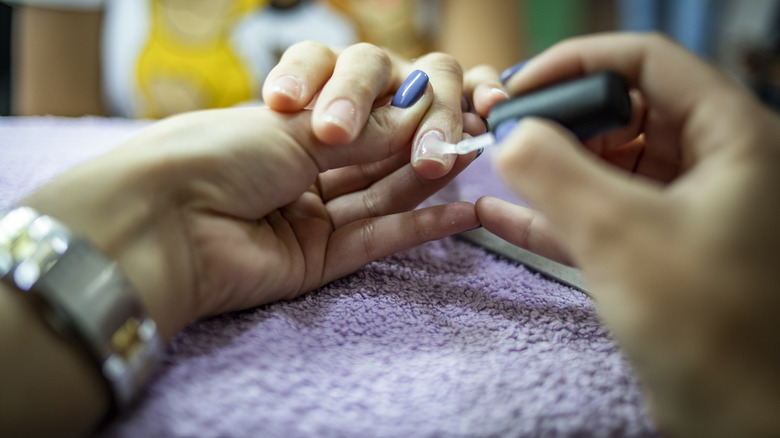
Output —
(443, 340)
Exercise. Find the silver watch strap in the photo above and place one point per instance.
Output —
(82, 293)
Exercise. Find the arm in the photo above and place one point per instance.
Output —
(222, 210)
(56, 62)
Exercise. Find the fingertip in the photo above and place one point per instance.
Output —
(284, 93)
(486, 95)
(433, 169)
(473, 124)
(428, 161)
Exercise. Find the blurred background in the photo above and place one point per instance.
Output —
(55, 54)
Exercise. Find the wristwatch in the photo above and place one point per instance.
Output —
(83, 295)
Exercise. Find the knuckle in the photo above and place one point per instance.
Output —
(445, 63)
(481, 70)
(525, 231)
(383, 129)
(420, 229)
(369, 239)
(373, 54)
(309, 46)
(370, 203)
(364, 91)
(446, 112)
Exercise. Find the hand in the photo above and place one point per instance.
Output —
(674, 223)
(222, 210)
(344, 86)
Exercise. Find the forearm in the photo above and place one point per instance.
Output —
(48, 373)
(118, 203)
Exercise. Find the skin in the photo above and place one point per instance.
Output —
(360, 75)
(214, 211)
(673, 223)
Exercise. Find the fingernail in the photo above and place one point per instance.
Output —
(504, 129)
(288, 85)
(479, 152)
(342, 113)
(411, 90)
(429, 148)
(508, 73)
(498, 92)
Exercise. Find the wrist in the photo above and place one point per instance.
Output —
(115, 205)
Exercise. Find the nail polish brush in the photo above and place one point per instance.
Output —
(587, 106)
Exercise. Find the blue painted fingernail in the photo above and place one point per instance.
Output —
(411, 90)
(508, 73)
(504, 129)
(479, 152)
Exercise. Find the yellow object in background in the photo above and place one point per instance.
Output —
(188, 62)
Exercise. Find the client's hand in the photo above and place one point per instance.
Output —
(222, 210)
(674, 223)
(342, 86)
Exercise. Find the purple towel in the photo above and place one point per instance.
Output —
(445, 339)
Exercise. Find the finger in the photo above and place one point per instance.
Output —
(626, 156)
(388, 131)
(618, 137)
(336, 182)
(580, 195)
(521, 226)
(362, 73)
(402, 190)
(482, 83)
(683, 109)
(473, 125)
(301, 72)
(357, 243)
(444, 120)
(636, 158)
(298, 156)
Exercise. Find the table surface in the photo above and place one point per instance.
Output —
(445, 339)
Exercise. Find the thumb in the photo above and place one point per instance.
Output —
(585, 199)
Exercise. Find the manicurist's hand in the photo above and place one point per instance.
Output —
(346, 84)
(674, 223)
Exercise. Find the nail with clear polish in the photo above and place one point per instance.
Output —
(288, 85)
(411, 90)
(429, 148)
(511, 71)
(341, 113)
